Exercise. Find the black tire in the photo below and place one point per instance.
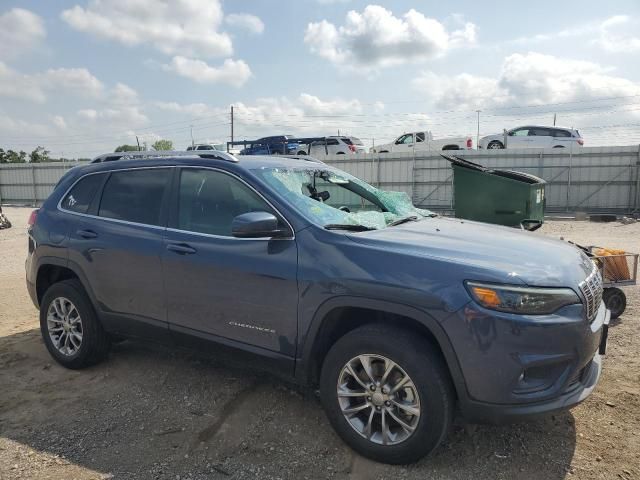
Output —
(95, 343)
(302, 152)
(383, 151)
(615, 300)
(340, 153)
(558, 146)
(425, 368)
(450, 147)
(495, 145)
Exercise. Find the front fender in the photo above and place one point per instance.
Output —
(305, 361)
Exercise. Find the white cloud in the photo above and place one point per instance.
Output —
(35, 87)
(20, 31)
(616, 34)
(251, 23)
(59, 122)
(179, 27)
(526, 79)
(232, 72)
(77, 80)
(377, 38)
(619, 34)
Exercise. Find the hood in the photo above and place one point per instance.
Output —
(492, 252)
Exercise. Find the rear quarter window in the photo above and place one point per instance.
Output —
(82, 194)
(561, 133)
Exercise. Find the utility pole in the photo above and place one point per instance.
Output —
(138, 142)
(192, 144)
(231, 123)
(554, 119)
(478, 131)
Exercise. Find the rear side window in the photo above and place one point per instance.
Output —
(135, 195)
(81, 195)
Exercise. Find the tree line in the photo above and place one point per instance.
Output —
(41, 154)
(38, 155)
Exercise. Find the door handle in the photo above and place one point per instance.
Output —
(88, 234)
(181, 248)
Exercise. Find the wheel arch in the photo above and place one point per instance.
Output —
(52, 270)
(329, 323)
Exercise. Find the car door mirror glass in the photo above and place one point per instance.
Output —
(256, 225)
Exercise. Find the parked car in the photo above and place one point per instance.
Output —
(337, 145)
(207, 146)
(408, 142)
(276, 145)
(399, 316)
(534, 137)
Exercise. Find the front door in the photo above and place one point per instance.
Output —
(243, 290)
(404, 143)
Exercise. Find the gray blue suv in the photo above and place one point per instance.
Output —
(398, 316)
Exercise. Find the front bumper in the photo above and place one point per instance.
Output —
(517, 366)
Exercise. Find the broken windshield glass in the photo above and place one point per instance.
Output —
(332, 198)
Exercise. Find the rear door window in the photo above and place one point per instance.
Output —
(539, 132)
(79, 199)
(135, 195)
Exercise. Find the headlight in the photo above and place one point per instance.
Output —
(522, 300)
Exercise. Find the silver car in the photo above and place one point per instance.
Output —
(533, 137)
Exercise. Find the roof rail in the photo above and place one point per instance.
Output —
(308, 158)
(213, 154)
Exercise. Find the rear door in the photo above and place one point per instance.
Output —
(540, 137)
(219, 286)
(117, 243)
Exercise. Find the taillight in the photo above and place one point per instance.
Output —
(352, 148)
(32, 218)
(580, 141)
(469, 143)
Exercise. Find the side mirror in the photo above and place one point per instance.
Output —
(256, 225)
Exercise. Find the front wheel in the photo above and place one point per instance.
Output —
(387, 394)
(495, 145)
(615, 300)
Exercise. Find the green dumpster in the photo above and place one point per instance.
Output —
(503, 197)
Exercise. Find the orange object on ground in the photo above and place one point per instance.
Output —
(613, 267)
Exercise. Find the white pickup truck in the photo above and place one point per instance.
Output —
(408, 142)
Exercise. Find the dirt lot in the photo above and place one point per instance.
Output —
(152, 412)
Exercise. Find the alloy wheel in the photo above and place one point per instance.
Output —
(378, 399)
(64, 325)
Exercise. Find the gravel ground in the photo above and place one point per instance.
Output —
(153, 412)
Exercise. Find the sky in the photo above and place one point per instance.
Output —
(81, 77)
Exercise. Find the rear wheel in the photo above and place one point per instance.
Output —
(302, 152)
(387, 394)
(495, 145)
(69, 326)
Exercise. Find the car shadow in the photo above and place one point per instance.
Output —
(152, 411)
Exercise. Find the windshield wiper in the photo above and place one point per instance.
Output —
(348, 227)
(400, 221)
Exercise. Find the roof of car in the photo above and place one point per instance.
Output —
(200, 158)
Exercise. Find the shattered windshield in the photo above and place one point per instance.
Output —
(335, 199)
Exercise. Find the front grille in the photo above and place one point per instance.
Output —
(591, 288)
